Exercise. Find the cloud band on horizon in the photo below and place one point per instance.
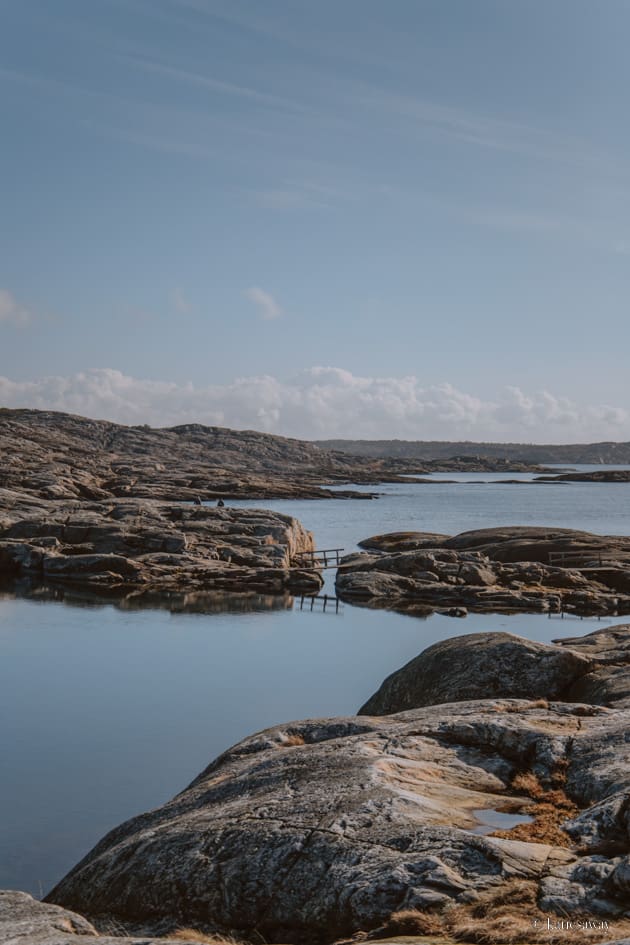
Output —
(323, 403)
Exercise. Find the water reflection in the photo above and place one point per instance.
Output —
(175, 602)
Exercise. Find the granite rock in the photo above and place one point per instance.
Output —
(318, 829)
(493, 664)
(131, 546)
(26, 921)
(508, 569)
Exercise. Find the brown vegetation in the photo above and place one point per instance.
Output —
(292, 739)
(550, 809)
(412, 922)
(505, 915)
(519, 707)
(207, 938)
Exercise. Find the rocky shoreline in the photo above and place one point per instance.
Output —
(473, 812)
(60, 456)
(527, 569)
(140, 549)
(481, 793)
(119, 510)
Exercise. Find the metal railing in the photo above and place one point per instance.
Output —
(324, 558)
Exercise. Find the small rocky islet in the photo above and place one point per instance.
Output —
(482, 794)
(526, 568)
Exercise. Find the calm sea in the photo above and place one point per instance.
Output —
(105, 713)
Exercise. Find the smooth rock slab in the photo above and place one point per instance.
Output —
(317, 829)
(492, 664)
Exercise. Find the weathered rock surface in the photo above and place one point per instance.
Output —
(593, 669)
(608, 683)
(402, 541)
(319, 828)
(496, 569)
(58, 456)
(514, 543)
(26, 921)
(493, 664)
(136, 547)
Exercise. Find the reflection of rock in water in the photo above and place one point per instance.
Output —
(206, 602)
(196, 602)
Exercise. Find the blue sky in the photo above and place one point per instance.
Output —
(342, 217)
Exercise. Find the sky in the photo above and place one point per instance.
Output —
(351, 218)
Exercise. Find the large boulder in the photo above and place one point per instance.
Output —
(402, 541)
(512, 543)
(319, 829)
(495, 665)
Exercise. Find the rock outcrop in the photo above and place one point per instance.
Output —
(496, 569)
(495, 665)
(599, 475)
(58, 456)
(608, 682)
(318, 829)
(464, 818)
(26, 921)
(593, 669)
(137, 548)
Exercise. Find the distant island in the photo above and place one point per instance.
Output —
(607, 452)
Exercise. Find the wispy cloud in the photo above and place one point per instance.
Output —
(302, 195)
(213, 84)
(324, 402)
(471, 126)
(11, 311)
(267, 305)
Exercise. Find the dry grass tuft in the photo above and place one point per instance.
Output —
(206, 938)
(412, 922)
(506, 916)
(534, 704)
(528, 783)
(290, 740)
(551, 808)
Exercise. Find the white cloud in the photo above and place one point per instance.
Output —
(11, 311)
(266, 303)
(324, 402)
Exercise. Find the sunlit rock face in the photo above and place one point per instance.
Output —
(320, 828)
